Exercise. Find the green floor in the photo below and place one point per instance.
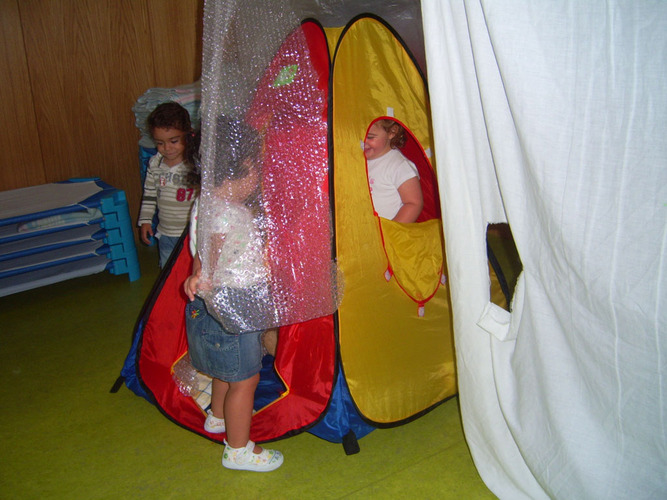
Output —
(64, 435)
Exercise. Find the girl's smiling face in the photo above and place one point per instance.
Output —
(378, 142)
(170, 144)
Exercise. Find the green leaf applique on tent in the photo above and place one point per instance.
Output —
(286, 75)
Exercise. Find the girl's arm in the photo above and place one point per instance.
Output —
(192, 281)
(413, 201)
(148, 204)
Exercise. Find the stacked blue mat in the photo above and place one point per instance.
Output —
(54, 232)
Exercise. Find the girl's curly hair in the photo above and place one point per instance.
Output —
(398, 141)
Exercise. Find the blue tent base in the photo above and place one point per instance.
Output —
(342, 423)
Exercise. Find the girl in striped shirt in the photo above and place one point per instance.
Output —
(171, 184)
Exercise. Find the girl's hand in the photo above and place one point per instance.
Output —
(190, 285)
(146, 231)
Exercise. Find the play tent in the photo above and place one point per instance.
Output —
(551, 117)
(375, 353)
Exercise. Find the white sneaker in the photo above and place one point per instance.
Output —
(214, 425)
(245, 459)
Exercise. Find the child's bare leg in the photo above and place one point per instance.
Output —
(219, 390)
(238, 411)
(270, 340)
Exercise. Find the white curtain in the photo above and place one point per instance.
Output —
(552, 116)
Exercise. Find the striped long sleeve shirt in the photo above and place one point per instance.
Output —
(166, 191)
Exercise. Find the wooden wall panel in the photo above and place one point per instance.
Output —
(21, 163)
(85, 64)
(65, 65)
(172, 23)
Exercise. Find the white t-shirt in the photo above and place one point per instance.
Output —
(385, 176)
(241, 260)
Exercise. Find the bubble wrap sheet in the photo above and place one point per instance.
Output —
(264, 226)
